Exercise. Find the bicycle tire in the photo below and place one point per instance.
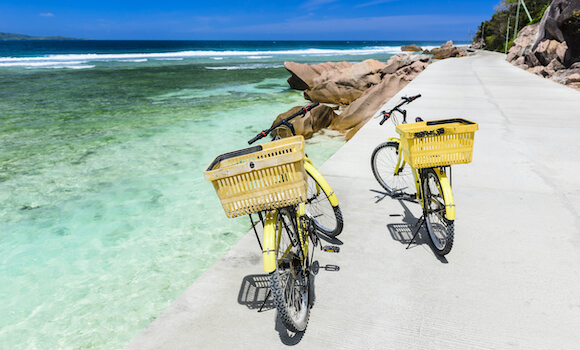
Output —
(383, 162)
(290, 282)
(441, 230)
(327, 218)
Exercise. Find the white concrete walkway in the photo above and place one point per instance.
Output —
(511, 281)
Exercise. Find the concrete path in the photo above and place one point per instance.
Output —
(511, 281)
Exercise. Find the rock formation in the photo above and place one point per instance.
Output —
(561, 23)
(357, 90)
(304, 74)
(337, 83)
(551, 48)
(447, 50)
(412, 47)
(360, 111)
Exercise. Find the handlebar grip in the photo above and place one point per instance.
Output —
(410, 99)
(385, 117)
(257, 137)
(254, 139)
(309, 108)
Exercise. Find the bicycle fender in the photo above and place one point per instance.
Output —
(395, 139)
(269, 242)
(322, 182)
(447, 194)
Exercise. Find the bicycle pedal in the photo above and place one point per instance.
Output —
(331, 249)
(331, 268)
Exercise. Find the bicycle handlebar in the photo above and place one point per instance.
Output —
(284, 121)
(412, 98)
(387, 115)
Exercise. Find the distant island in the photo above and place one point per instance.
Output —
(10, 36)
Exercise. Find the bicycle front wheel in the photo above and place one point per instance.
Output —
(384, 162)
(327, 218)
(290, 281)
(441, 230)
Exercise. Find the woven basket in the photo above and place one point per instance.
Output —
(263, 177)
(437, 143)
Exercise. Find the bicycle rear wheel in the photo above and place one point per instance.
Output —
(327, 218)
(290, 281)
(384, 160)
(441, 230)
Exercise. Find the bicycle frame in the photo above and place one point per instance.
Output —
(443, 179)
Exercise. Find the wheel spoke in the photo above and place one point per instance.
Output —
(390, 170)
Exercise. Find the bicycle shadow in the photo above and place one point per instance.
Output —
(404, 232)
(255, 293)
(328, 239)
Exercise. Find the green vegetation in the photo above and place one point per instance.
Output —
(10, 36)
(494, 31)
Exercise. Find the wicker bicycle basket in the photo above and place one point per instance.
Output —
(437, 143)
(262, 177)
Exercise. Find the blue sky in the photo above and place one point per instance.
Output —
(247, 20)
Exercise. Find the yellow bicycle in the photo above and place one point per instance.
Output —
(416, 167)
(271, 179)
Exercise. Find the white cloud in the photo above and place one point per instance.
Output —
(48, 14)
(312, 5)
(377, 2)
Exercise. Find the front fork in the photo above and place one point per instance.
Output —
(400, 160)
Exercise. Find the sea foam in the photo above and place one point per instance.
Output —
(63, 60)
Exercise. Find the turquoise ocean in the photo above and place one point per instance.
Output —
(105, 215)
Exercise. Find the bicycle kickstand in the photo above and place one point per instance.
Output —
(265, 300)
(419, 223)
